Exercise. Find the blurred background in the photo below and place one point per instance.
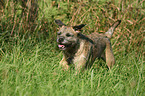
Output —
(34, 19)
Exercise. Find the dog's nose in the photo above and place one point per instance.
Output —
(61, 39)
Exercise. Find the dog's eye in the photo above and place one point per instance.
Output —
(58, 33)
(68, 35)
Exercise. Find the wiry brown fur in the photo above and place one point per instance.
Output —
(82, 50)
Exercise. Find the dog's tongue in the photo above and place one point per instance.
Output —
(61, 46)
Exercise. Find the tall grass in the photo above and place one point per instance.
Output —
(35, 71)
(29, 57)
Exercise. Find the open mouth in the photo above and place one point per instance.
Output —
(63, 47)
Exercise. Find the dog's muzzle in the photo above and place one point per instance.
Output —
(60, 39)
(62, 43)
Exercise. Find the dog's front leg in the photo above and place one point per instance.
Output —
(80, 63)
(64, 64)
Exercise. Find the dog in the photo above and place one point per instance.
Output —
(82, 50)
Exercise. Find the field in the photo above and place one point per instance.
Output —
(29, 56)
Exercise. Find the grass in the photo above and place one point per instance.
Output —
(29, 57)
(34, 70)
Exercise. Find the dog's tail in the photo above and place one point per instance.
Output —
(110, 32)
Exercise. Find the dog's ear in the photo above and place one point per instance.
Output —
(79, 27)
(59, 23)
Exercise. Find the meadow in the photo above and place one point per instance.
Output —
(29, 56)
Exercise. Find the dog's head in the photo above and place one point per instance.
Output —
(67, 37)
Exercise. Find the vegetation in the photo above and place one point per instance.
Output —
(29, 57)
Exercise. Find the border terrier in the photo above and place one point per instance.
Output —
(82, 50)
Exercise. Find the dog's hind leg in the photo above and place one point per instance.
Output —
(110, 60)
